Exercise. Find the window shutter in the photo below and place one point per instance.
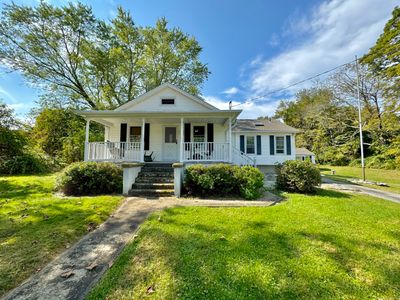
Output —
(288, 145)
(210, 132)
(147, 136)
(258, 144)
(242, 143)
(123, 132)
(186, 137)
(271, 145)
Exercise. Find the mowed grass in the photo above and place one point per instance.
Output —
(36, 225)
(391, 177)
(327, 246)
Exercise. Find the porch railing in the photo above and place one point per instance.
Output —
(198, 151)
(242, 159)
(113, 151)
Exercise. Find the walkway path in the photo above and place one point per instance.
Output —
(72, 274)
(343, 186)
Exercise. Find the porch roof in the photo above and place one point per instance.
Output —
(108, 117)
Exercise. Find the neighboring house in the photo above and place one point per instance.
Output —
(305, 154)
(169, 125)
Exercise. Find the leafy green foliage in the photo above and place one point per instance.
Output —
(81, 60)
(90, 178)
(61, 133)
(325, 246)
(37, 225)
(298, 176)
(16, 156)
(223, 179)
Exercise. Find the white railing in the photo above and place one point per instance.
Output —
(242, 159)
(196, 151)
(111, 151)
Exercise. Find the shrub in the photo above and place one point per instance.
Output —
(27, 163)
(90, 178)
(298, 176)
(223, 179)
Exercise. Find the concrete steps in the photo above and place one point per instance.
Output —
(154, 180)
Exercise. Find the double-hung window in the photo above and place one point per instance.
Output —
(280, 145)
(250, 145)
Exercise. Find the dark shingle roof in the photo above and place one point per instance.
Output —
(267, 125)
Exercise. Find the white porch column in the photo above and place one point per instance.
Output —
(142, 141)
(86, 152)
(181, 143)
(230, 139)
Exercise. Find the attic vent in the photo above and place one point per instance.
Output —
(259, 124)
(167, 101)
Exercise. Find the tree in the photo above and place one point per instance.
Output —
(384, 57)
(12, 140)
(61, 133)
(82, 61)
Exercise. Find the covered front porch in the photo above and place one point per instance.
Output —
(162, 137)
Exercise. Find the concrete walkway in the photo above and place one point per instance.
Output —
(72, 274)
(349, 187)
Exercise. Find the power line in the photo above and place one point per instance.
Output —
(292, 85)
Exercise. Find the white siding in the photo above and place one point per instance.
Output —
(265, 158)
(153, 103)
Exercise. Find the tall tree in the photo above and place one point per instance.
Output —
(83, 61)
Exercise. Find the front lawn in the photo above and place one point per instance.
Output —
(391, 177)
(36, 225)
(331, 245)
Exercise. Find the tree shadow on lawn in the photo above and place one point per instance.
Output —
(9, 189)
(263, 263)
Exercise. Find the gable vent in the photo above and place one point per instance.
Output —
(259, 124)
(167, 101)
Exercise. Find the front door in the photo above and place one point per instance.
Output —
(170, 149)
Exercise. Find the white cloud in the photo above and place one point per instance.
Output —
(231, 91)
(333, 34)
(250, 110)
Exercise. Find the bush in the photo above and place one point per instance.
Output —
(223, 179)
(27, 163)
(90, 178)
(298, 176)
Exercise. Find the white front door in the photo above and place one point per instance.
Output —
(170, 148)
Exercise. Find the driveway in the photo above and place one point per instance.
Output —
(349, 187)
(73, 273)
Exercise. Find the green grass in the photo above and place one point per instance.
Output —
(391, 177)
(36, 225)
(327, 246)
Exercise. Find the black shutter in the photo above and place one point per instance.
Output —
(242, 143)
(258, 144)
(271, 145)
(123, 132)
(210, 132)
(210, 136)
(187, 135)
(288, 145)
(147, 136)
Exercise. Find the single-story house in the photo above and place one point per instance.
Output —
(168, 125)
(305, 154)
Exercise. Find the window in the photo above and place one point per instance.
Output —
(167, 101)
(199, 134)
(134, 134)
(280, 145)
(250, 145)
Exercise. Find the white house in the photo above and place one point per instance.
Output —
(168, 125)
(305, 154)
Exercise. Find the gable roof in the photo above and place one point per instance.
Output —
(303, 151)
(148, 94)
(267, 125)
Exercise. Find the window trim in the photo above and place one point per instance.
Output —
(276, 145)
(255, 144)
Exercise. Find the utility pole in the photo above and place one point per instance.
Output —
(360, 121)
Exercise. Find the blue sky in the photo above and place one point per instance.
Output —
(251, 47)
